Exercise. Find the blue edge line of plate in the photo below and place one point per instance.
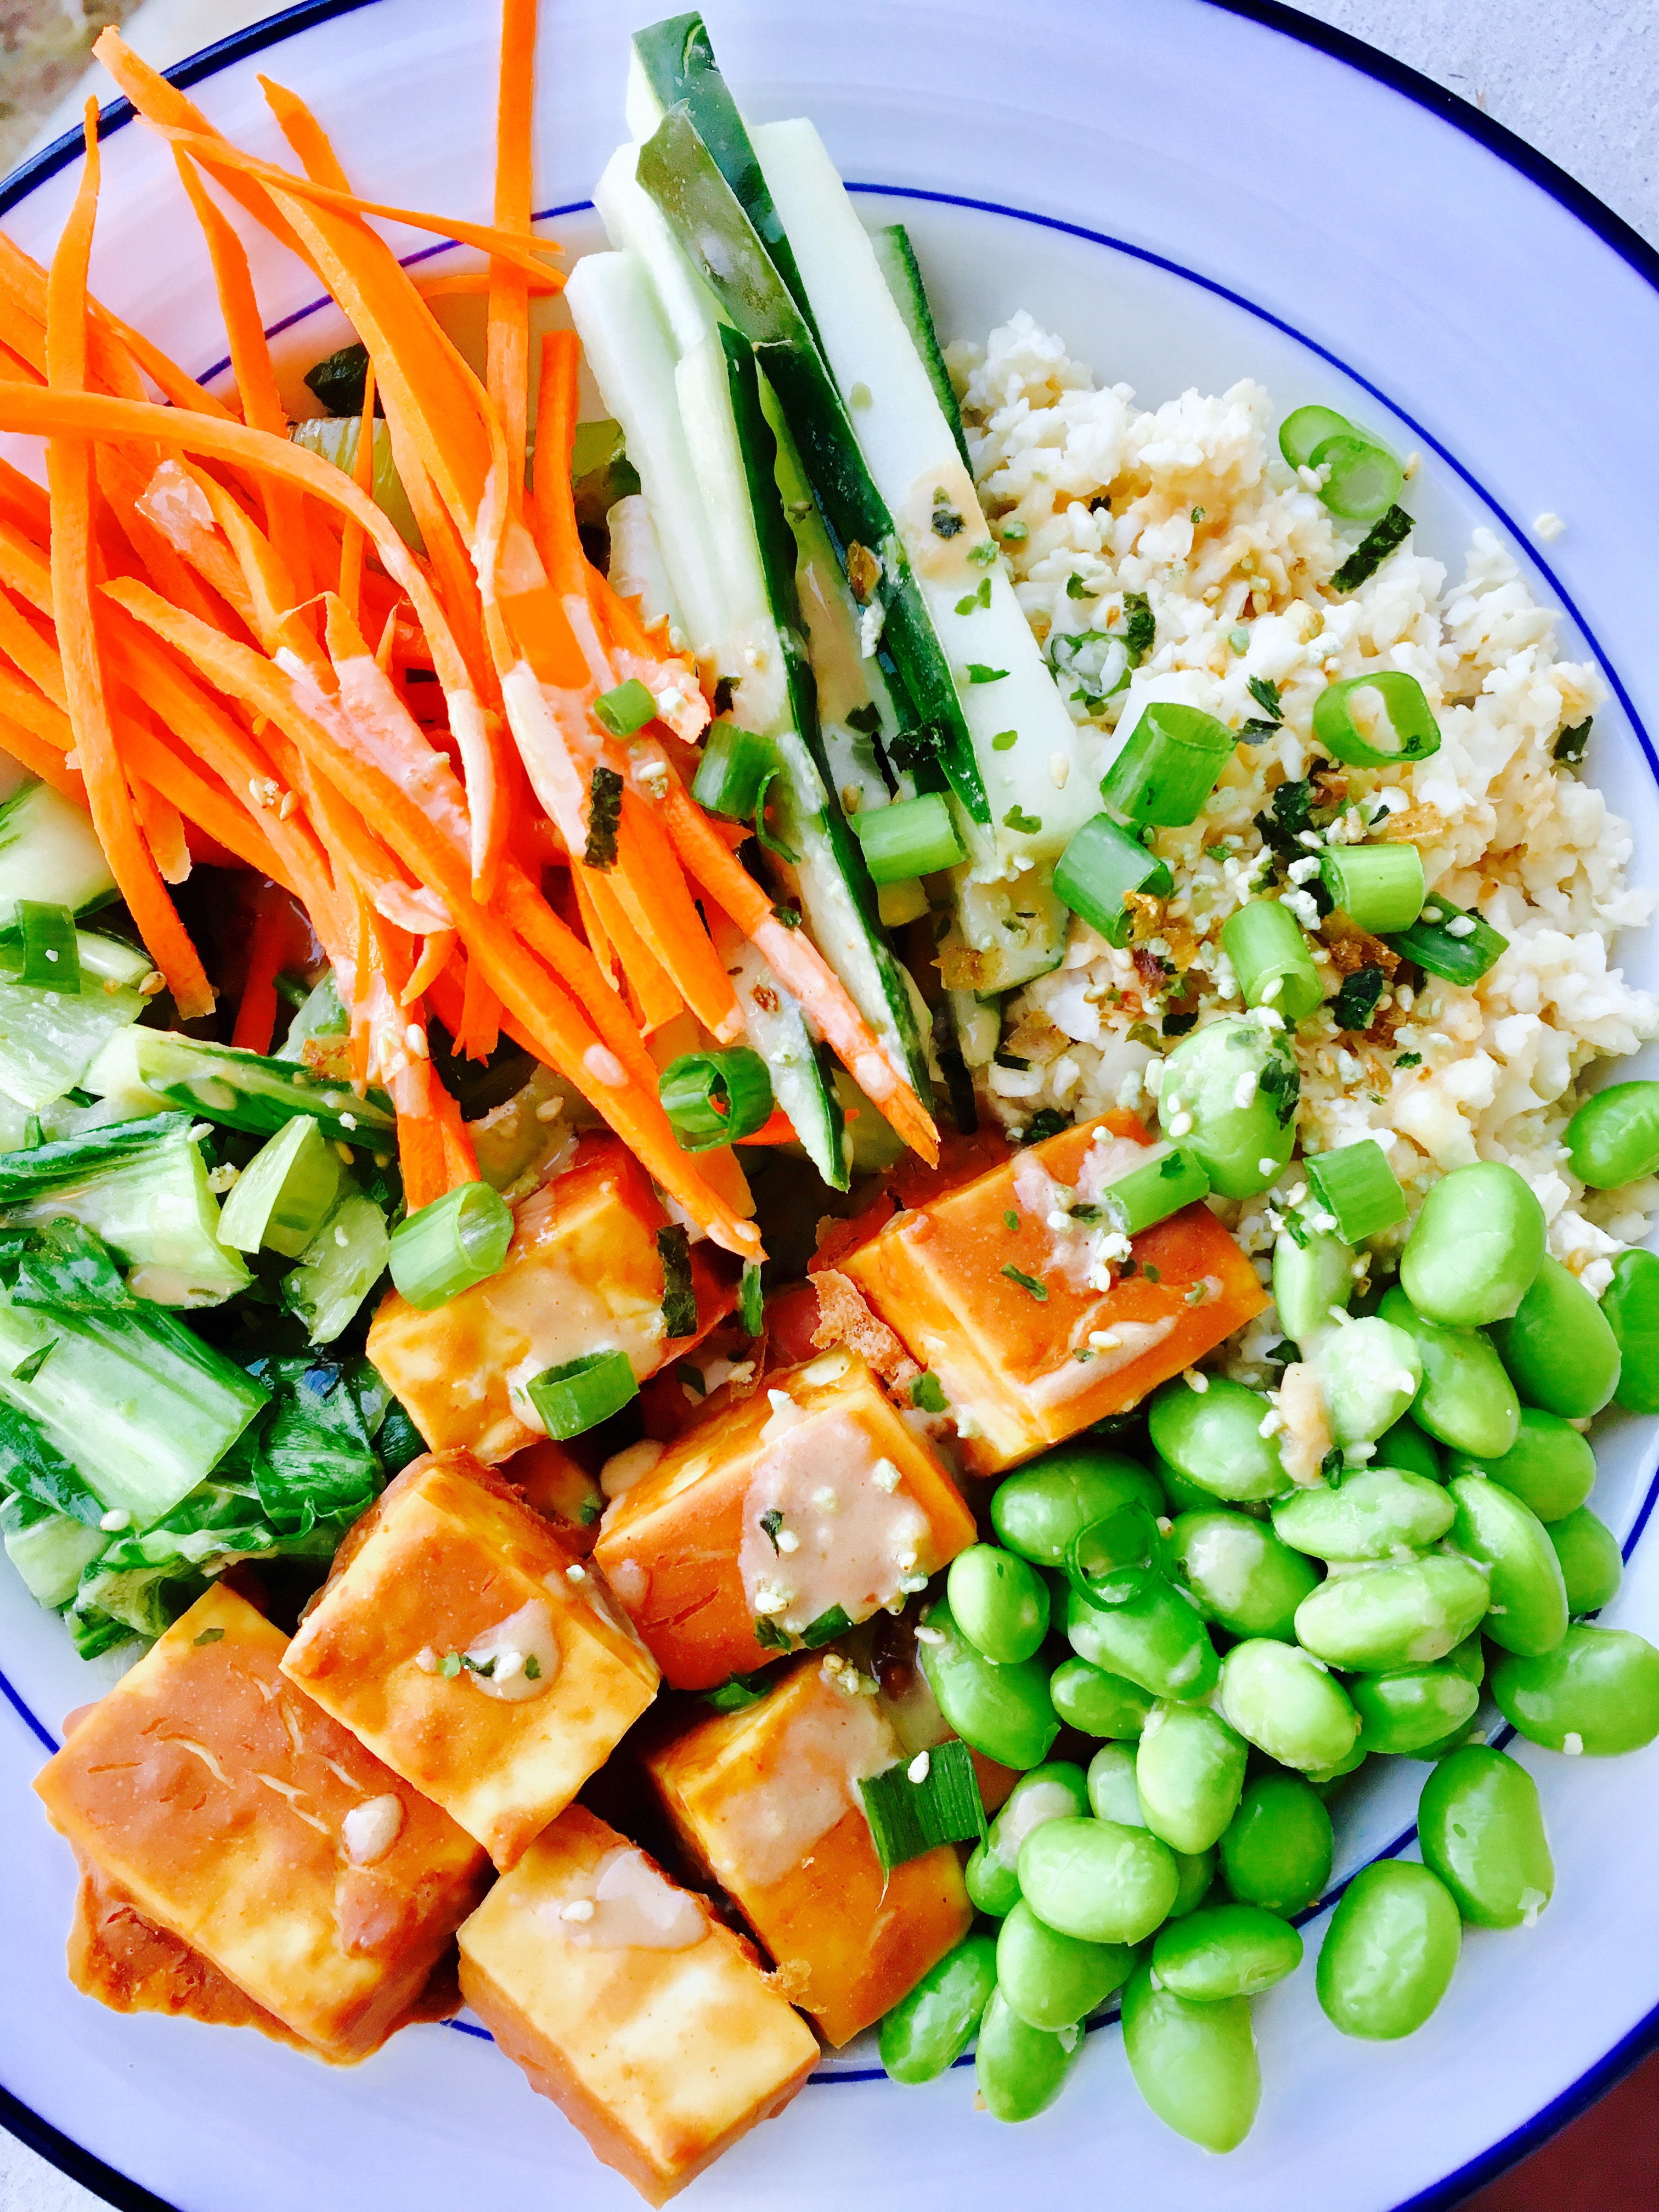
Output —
(118, 2188)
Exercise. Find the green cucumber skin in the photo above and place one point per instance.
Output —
(897, 259)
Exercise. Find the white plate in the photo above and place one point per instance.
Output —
(1190, 194)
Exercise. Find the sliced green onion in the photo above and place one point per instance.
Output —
(1299, 433)
(456, 1241)
(1376, 720)
(624, 710)
(772, 844)
(752, 1311)
(1098, 869)
(715, 1097)
(1365, 477)
(679, 1300)
(1269, 949)
(1373, 550)
(915, 1806)
(1153, 1191)
(737, 1691)
(731, 772)
(832, 1622)
(52, 952)
(285, 1193)
(912, 837)
(1168, 767)
(577, 1396)
(1378, 887)
(1111, 1562)
(1357, 1186)
(605, 798)
(1445, 941)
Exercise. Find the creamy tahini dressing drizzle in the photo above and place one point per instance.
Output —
(524, 1635)
(810, 1781)
(1131, 1340)
(624, 1905)
(845, 1539)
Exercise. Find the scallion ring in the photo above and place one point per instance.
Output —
(731, 772)
(1098, 869)
(1168, 767)
(576, 1397)
(1363, 478)
(912, 837)
(1269, 949)
(1357, 1186)
(1376, 720)
(1378, 887)
(715, 1097)
(1308, 426)
(460, 1239)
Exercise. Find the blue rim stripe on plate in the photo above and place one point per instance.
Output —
(128, 2196)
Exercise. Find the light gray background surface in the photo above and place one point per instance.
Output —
(1577, 79)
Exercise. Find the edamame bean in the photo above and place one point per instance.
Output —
(1242, 1133)
(1195, 2065)
(1095, 1704)
(1309, 1278)
(1470, 1658)
(998, 1601)
(1369, 1372)
(1559, 1351)
(1390, 1951)
(1020, 2069)
(1194, 1872)
(1098, 1879)
(1481, 1829)
(926, 2032)
(1155, 1640)
(1401, 1616)
(1225, 1951)
(1591, 1566)
(1054, 1792)
(1528, 1612)
(1375, 1513)
(1411, 1706)
(1474, 1248)
(1281, 1700)
(1114, 1794)
(1002, 1711)
(1184, 1497)
(1189, 1773)
(1467, 1400)
(1243, 1578)
(1614, 1138)
(1405, 1446)
(1327, 1779)
(1630, 1303)
(1213, 1437)
(1037, 1511)
(1597, 1691)
(1052, 1980)
(1278, 1850)
(1549, 1466)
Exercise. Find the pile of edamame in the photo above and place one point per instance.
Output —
(1239, 1643)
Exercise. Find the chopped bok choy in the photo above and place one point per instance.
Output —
(149, 1071)
(49, 1038)
(50, 850)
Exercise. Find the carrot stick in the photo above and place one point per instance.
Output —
(122, 478)
(658, 1001)
(352, 541)
(554, 507)
(41, 758)
(436, 953)
(271, 588)
(801, 969)
(256, 1012)
(68, 476)
(507, 374)
(468, 284)
(481, 1018)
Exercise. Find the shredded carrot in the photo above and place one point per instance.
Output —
(353, 542)
(256, 1013)
(436, 953)
(69, 476)
(41, 758)
(657, 1000)
(506, 375)
(468, 284)
(480, 1032)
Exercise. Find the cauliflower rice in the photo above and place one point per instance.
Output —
(1191, 504)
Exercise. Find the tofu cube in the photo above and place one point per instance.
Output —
(767, 1800)
(626, 2002)
(237, 1817)
(469, 1649)
(810, 1499)
(1026, 1346)
(583, 1272)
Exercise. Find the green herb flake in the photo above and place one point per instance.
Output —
(979, 673)
(726, 692)
(450, 1665)
(209, 1636)
(1087, 1215)
(1373, 550)
(984, 553)
(32, 1362)
(1010, 1218)
(1355, 1004)
(1266, 693)
(1015, 532)
(1004, 740)
(768, 1635)
(772, 1523)
(1409, 1060)
(751, 1311)
(1239, 639)
(604, 797)
(928, 1392)
(588, 1512)
(1569, 747)
(679, 1300)
(830, 1624)
(866, 719)
(1077, 589)
(1027, 824)
(532, 1668)
(1141, 630)
(1196, 517)
(1038, 1290)
(981, 597)
(1152, 1274)
(946, 522)
(788, 915)
(1048, 1122)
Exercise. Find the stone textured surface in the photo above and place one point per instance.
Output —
(1580, 82)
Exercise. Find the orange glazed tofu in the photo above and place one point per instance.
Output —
(788, 1517)
(475, 1654)
(583, 1273)
(767, 1800)
(1032, 1329)
(240, 1819)
(626, 2002)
